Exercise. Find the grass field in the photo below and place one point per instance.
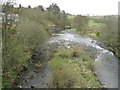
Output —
(70, 16)
(94, 24)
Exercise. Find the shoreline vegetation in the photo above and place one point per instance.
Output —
(104, 29)
(73, 68)
(25, 30)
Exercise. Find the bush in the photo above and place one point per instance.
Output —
(15, 58)
(110, 32)
(98, 34)
(80, 22)
(18, 44)
(32, 34)
(63, 75)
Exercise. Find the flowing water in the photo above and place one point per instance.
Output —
(105, 64)
(36, 79)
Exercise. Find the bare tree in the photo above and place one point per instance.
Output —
(8, 15)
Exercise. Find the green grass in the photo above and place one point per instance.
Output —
(94, 24)
(72, 68)
(70, 16)
(95, 17)
(78, 31)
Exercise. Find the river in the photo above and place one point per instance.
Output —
(105, 64)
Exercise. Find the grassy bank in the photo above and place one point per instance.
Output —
(104, 29)
(73, 68)
(107, 32)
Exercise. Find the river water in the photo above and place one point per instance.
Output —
(105, 64)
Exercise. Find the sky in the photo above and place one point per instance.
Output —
(75, 7)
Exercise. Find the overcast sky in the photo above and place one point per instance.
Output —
(92, 7)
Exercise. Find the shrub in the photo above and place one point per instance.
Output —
(32, 34)
(63, 75)
(18, 44)
(98, 34)
(110, 32)
(80, 22)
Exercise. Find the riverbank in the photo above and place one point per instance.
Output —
(103, 57)
(73, 68)
(72, 60)
(97, 36)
